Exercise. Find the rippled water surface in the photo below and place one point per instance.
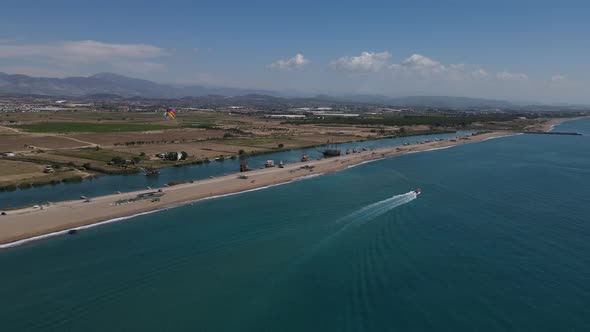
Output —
(499, 240)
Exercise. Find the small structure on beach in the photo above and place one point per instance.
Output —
(154, 196)
(244, 166)
(151, 172)
(328, 153)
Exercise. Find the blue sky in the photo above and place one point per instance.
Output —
(516, 50)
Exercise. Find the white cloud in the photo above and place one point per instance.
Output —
(418, 65)
(83, 51)
(464, 71)
(558, 78)
(420, 74)
(420, 62)
(415, 66)
(69, 54)
(90, 50)
(506, 76)
(480, 73)
(297, 61)
(366, 61)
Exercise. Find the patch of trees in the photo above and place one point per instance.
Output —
(409, 120)
(237, 131)
(118, 160)
(175, 156)
(163, 141)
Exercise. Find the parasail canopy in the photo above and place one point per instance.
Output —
(170, 113)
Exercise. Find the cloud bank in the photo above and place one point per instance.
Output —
(297, 61)
(370, 72)
(69, 54)
(506, 76)
(366, 62)
(416, 65)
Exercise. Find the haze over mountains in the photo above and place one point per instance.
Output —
(127, 87)
(108, 83)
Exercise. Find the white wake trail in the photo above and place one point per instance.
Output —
(374, 210)
(356, 218)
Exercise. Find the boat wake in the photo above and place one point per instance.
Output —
(356, 218)
(296, 268)
(374, 210)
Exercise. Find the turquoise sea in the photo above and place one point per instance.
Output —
(499, 240)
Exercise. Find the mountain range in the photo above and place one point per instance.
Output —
(109, 84)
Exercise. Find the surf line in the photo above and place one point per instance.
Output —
(165, 208)
(61, 232)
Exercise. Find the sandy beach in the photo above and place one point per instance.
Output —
(27, 223)
(551, 123)
(19, 226)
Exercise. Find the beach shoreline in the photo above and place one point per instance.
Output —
(30, 224)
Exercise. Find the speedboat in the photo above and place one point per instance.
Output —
(418, 191)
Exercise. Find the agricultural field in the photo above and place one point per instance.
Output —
(200, 150)
(27, 174)
(88, 127)
(149, 137)
(16, 170)
(25, 143)
(81, 116)
(95, 154)
(86, 142)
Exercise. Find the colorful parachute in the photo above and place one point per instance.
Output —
(170, 114)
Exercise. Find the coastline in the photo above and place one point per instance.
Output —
(31, 224)
(122, 218)
(94, 171)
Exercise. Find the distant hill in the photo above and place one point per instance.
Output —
(109, 84)
(449, 102)
(113, 86)
(441, 102)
